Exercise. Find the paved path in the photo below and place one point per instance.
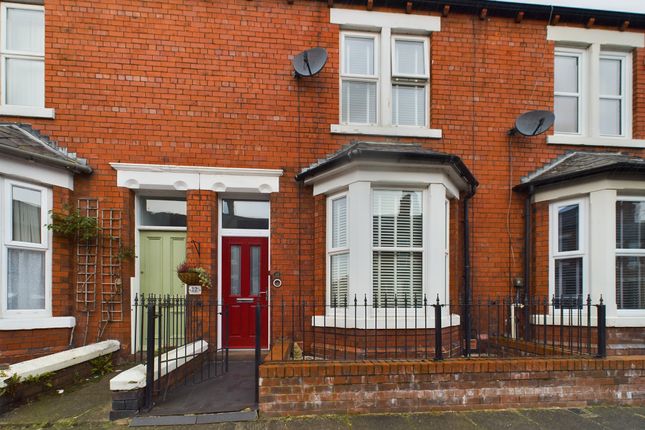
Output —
(87, 406)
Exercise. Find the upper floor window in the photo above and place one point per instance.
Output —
(22, 60)
(630, 253)
(573, 105)
(384, 73)
(593, 83)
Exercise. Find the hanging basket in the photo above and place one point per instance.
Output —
(189, 278)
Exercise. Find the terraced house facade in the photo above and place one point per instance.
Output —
(390, 179)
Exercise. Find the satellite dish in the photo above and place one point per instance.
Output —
(309, 62)
(534, 122)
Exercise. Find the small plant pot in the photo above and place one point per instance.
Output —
(189, 278)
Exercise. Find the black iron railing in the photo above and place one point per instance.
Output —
(180, 339)
(424, 329)
(187, 339)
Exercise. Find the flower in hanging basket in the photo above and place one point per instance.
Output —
(192, 275)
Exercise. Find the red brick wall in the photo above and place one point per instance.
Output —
(351, 387)
(210, 84)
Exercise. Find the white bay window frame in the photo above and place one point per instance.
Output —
(387, 27)
(37, 111)
(8, 243)
(435, 226)
(595, 45)
(600, 197)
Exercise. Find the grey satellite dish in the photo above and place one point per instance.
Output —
(534, 122)
(309, 62)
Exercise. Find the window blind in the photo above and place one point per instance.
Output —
(567, 93)
(339, 259)
(630, 258)
(397, 240)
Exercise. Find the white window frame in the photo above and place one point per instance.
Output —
(331, 251)
(412, 80)
(625, 59)
(18, 110)
(375, 78)
(583, 245)
(580, 54)
(598, 44)
(628, 252)
(9, 243)
(388, 26)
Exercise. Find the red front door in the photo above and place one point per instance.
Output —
(245, 278)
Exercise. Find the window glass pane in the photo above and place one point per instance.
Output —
(26, 30)
(408, 105)
(630, 282)
(610, 77)
(255, 270)
(236, 269)
(26, 279)
(568, 282)
(245, 214)
(339, 223)
(397, 278)
(397, 219)
(568, 228)
(25, 82)
(163, 212)
(566, 74)
(566, 114)
(409, 57)
(25, 215)
(339, 279)
(359, 56)
(610, 117)
(359, 102)
(630, 225)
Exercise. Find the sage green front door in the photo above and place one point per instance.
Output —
(161, 253)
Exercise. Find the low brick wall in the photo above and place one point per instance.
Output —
(296, 388)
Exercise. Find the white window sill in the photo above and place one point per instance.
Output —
(381, 323)
(561, 139)
(31, 111)
(36, 323)
(373, 130)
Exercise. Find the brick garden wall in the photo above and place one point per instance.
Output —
(209, 84)
(351, 387)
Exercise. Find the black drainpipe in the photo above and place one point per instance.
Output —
(467, 267)
(527, 261)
